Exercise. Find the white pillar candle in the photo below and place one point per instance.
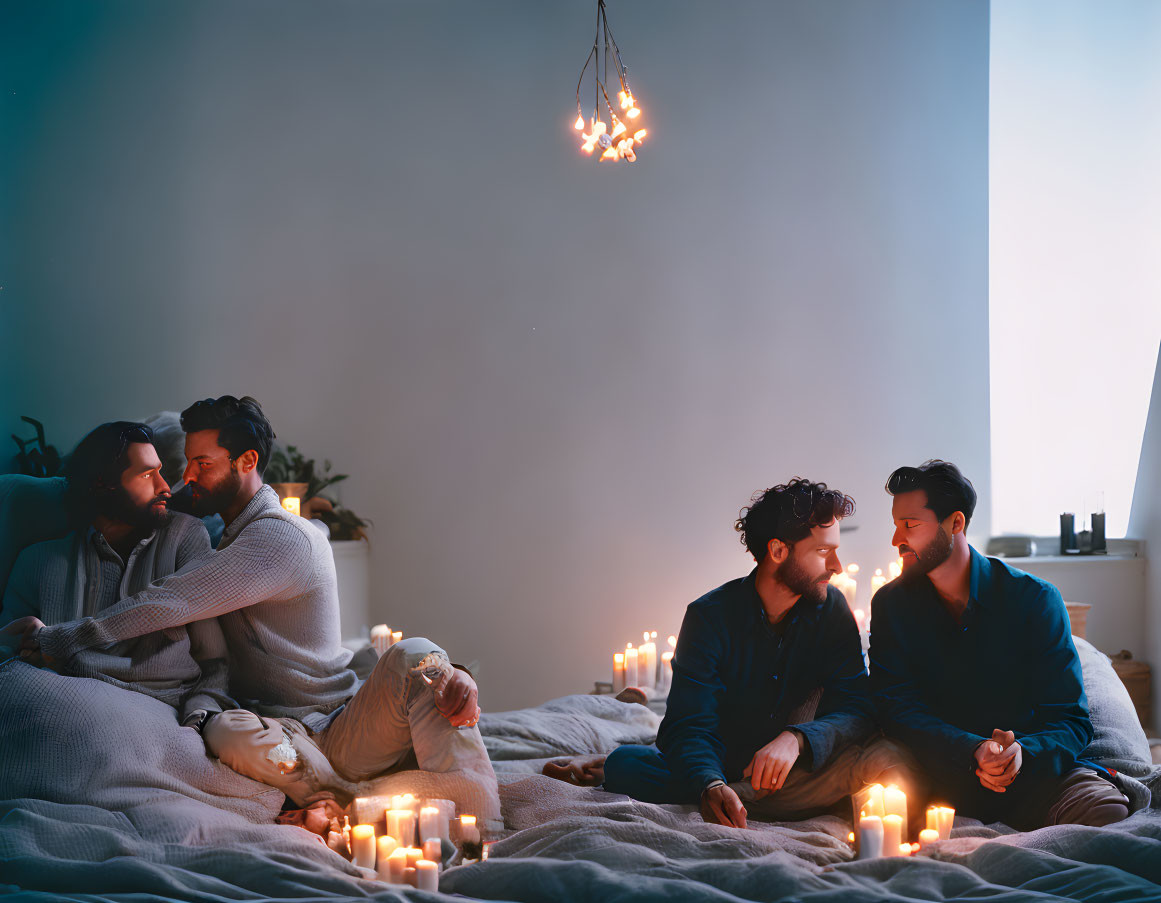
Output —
(873, 803)
(656, 672)
(414, 854)
(433, 849)
(469, 833)
(396, 864)
(895, 568)
(870, 837)
(387, 846)
(381, 637)
(646, 664)
(666, 670)
(363, 846)
(426, 875)
(892, 834)
(618, 671)
(927, 837)
(447, 811)
(878, 581)
(895, 802)
(401, 826)
(631, 676)
(944, 817)
(429, 821)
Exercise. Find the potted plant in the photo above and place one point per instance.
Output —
(291, 474)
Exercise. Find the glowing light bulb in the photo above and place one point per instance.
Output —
(610, 154)
(639, 136)
(634, 112)
(586, 148)
(618, 129)
(579, 125)
(624, 98)
(599, 127)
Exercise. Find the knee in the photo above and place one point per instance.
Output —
(625, 765)
(407, 653)
(236, 736)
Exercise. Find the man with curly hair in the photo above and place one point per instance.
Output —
(769, 708)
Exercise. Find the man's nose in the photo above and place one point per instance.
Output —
(159, 485)
(187, 474)
(897, 539)
(833, 565)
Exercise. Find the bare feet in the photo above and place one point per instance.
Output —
(587, 771)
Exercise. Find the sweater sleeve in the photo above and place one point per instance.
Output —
(1053, 669)
(269, 559)
(208, 648)
(902, 712)
(845, 711)
(690, 735)
(20, 601)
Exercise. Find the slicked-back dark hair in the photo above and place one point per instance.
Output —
(93, 471)
(240, 423)
(789, 512)
(948, 490)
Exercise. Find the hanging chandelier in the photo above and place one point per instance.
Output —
(614, 139)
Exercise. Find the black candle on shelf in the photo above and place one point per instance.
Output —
(1067, 533)
(1098, 533)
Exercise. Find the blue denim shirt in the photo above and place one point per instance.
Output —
(737, 678)
(942, 687)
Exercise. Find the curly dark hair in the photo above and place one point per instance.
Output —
(948, 490)
(240, 423)
(789, 512)
(93, 471)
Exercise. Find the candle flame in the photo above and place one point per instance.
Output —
(579, 124)
(633, 112)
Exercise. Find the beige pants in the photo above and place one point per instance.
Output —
(391, 723)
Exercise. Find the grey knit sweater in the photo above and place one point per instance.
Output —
(271, 582)
(80, 574)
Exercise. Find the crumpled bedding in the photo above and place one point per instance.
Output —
(104, 797)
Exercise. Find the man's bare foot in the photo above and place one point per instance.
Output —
(587, 771)
(632, 694)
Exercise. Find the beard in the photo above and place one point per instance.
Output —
(118, 506)
(202, 501)
(931, 555)
(793, 576)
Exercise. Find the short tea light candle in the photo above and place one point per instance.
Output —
(291, 504)
(363, 846)
(470, 839)
(927, 837)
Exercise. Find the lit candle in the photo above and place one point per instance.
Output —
(429, 819)
(646, 663)
(381, 637)
(904, 849)
(468, 830)
(870, 837)
(401, 826)
(666, 670)
(363, 845)
(409, 875)
(631, 676)
(387, 846)
(877, 581)
(447, 811)
(895, 568)
(873, 802)
(927, 837)
(895, 802)
(426, 875)
(396, 865)
(291, 504)
(941, 818)
(433, 849)
(892, 833)
(618, 671)
(396, 636)
(414, 854)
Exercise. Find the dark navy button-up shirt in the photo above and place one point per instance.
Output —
(737, 678)
(942, 687)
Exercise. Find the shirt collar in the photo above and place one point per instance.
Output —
(96, 538)
(263, 499)
(801, 608)
(981, 579)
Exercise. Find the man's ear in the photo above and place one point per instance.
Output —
(777, 550)
(247, 461)
(958, 522)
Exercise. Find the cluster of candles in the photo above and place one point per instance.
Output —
(883, 820)
(382, 637)
(409, 851)
(641, 667)
(848, 584)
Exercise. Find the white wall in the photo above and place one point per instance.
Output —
(1145, 523)
(554, 384)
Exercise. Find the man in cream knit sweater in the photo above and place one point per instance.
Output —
(271, 583)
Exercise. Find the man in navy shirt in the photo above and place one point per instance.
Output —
(769, 704)
(974, 669)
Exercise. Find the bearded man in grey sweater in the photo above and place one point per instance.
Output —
(272, 584)
(125, 539)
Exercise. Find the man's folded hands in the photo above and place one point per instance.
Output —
(999, 760)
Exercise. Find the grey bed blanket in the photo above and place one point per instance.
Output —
(103, 797)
